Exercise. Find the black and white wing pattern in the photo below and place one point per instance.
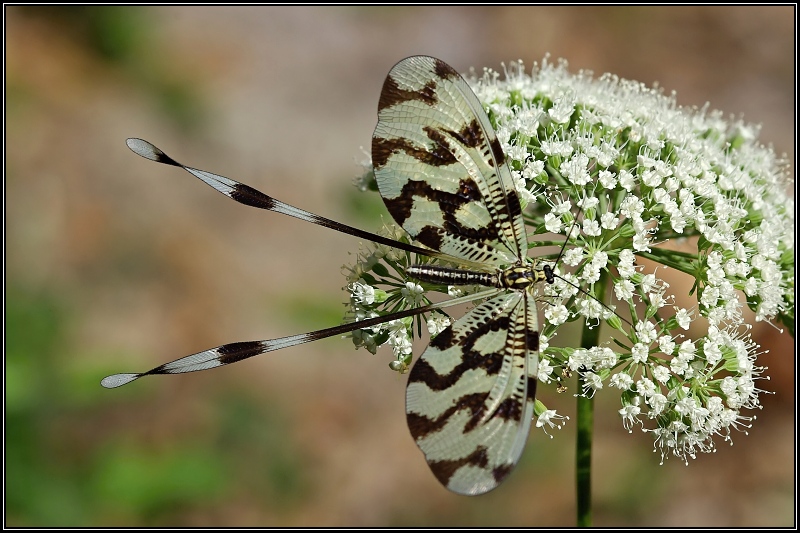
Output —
(440, 168)
(470, 397)
(443, 177)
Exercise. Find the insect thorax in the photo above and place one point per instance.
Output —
(519, 276)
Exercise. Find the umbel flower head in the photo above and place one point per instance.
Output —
(622, 172)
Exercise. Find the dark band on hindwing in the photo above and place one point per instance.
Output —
(231, 353)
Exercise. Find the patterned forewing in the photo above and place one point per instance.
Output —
(469, 399)
(440, 168)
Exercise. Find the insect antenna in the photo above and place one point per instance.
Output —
(561, 253)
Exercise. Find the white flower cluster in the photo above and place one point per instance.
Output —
(640, 172)
(378, 286)
(623, 172)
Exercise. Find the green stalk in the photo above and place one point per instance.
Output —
(585, 422)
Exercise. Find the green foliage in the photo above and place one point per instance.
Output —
(73, 459)
(120, 37)
(113, 33)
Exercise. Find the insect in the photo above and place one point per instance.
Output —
(444, 178)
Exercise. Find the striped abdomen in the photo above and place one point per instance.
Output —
(452, 276)
(516, 277)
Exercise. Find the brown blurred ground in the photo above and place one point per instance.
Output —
(116, 264)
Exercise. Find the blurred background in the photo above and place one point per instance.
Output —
(116, 264)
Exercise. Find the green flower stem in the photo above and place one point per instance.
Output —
(583, 459)
(585, 422)
(681, 261)
(658, 253)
